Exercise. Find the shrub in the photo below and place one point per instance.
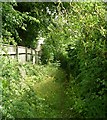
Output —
(19, 96)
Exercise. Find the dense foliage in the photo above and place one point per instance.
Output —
(77, 39)
(76, 36)
(21, 87)
(24, 22)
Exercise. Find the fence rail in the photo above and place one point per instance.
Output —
(22, 54)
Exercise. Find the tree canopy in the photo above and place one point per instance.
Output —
(75, 38)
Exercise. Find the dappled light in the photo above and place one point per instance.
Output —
(62, 71)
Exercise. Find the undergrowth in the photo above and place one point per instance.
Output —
(30, 91)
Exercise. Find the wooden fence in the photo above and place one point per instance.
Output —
(22, 54)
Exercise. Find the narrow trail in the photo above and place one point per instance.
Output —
(52, 92)
(49, 89)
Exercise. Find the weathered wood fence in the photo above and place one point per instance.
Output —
(22, 54)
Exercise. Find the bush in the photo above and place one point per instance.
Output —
(19, 96)
(88, 86)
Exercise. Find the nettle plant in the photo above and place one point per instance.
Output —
(16, 94)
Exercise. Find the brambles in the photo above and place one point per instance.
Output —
(31, 96)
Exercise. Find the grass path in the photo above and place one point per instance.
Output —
(52, 92)
(40, 94)
(48, 86)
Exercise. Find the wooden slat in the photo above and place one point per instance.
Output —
(22, 54)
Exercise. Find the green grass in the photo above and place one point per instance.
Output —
(51, 90)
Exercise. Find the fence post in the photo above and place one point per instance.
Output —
(37, 58)
(31, 56)
(17, 53)
(26, 53)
